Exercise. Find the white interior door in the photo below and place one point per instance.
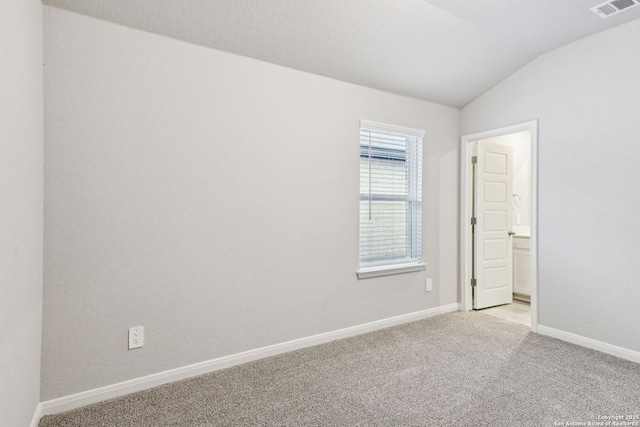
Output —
(494, 215)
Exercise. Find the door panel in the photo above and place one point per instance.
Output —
(493, 248)
(494, 220)
(495, 278)
(494, 192)
(495, 163)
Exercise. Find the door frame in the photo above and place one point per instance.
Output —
(466, 193)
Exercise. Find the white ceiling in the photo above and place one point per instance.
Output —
(446, 51)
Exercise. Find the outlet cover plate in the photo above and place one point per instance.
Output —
(136, 337)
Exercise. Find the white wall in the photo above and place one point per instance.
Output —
(586, 98)
(213, 199)
(21, 187)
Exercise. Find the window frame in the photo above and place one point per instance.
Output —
(404, 265)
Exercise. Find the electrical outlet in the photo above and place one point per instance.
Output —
(429, 285)
(136, 337)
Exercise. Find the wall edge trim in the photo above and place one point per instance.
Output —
(37, 414)
(613, 350)
(100, 394)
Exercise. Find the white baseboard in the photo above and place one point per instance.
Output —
(621, 352)
(36, 416)
(138, 384)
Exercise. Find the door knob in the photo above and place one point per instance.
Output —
(512, 233)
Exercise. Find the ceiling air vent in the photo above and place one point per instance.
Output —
(613, 7)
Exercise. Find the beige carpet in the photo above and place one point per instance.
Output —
(458, 369)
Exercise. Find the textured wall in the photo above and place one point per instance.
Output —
(585, 96)
(213, 199)
(21, 187)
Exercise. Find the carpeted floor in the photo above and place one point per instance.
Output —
(458, 369)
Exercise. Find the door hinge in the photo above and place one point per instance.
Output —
(473, 282)
(474, 220)
(474, 160)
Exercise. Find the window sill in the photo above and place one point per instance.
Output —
(366, 273)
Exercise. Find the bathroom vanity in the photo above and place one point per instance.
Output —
(521, 267)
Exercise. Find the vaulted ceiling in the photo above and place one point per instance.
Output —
(445, 51)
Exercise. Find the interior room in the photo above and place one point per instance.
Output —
(182, 194)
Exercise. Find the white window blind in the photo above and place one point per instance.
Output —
(390, 195)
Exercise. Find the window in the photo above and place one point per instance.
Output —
(390, 199)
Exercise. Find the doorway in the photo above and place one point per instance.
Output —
(487, 246)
